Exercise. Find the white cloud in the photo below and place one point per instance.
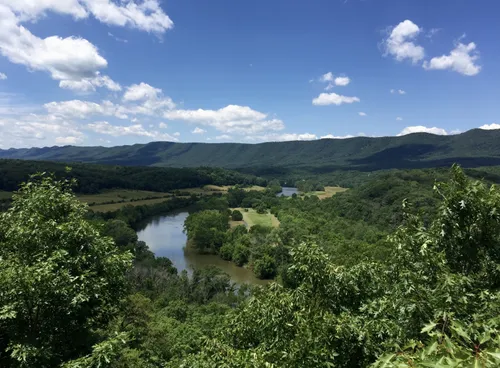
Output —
(31, 130)
(282, 137)
(333, 99)
(490, 126)
(69, 58)
(163, 126)
(142, 91)
(177, 134)
(198, 131)
(84, 109)
(333, 81)
(401, 92)
(117, 38)
(331, 136)
(72, 60)
(68, 140)
(223, 137)
(90, 84)
(361, 113)
(230, 119)
(399, 118)
(328, 77)
(422, 129)
(461, 60)
(103, 127)
(3, 76)
(143, 15)
(400, 43)
(342, 81)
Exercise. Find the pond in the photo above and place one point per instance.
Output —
(166, 238)
(288, 192)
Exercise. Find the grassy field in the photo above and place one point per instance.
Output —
(116, 206)
(210, 189)
(252, 218)
(118, 195)
(327, 193)
(5, 195)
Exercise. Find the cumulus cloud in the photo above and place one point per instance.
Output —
(274, 137)
(104, 127)
(72, 60)
(3, 76)
(422, 129)
(84, 109)
(90, 84)
(333, 99)
(198, 130)
(142, 91)
(29, 130)
(223, 137)
(361, 113)
(399, 118)
(400, 43)
(142, 15)
(163, 126)
(69, 58)
(462, 59)
(490, 126)
(230, 119)
(334, 81)
(331, 136)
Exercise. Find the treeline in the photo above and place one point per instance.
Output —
(93, 178)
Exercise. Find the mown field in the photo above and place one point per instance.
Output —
(252, 218)
(327, 193)
(120, 195)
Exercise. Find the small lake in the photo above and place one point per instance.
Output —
(166, 238)
(288, 192)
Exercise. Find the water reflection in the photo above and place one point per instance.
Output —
(166, 238)
(287, 192)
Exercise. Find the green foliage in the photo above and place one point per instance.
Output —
(275, 159)
(427, 305)
(207, 230)
(59, 278)
(236, 216)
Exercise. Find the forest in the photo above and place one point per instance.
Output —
(402, 269)
(473, 148)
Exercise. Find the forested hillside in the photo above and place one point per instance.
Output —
(93, 178)
(470, 149)
(347, 295)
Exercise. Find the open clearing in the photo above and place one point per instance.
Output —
(251, 218)
(327, 193)
(210, 189)
(118, 195)
(116, 206)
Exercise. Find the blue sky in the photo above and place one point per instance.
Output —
(109, 72)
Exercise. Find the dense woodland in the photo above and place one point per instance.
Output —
(470, 149)
(401, 270)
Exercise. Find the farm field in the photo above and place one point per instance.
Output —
(209, 189)
(327, 193)
(251, 218)
(118, 195)
(116, 206)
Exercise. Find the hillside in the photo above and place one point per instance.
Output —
(471, 149)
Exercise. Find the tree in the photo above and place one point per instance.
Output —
(207, 230)
(59, 278)
(236, 216)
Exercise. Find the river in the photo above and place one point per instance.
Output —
(166, 238)
(287, 192)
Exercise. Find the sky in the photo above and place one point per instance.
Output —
(115, 72)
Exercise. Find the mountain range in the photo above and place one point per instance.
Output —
(470, 149)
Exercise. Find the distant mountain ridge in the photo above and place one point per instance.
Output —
(471, 149)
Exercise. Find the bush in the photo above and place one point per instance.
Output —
(236, 216)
